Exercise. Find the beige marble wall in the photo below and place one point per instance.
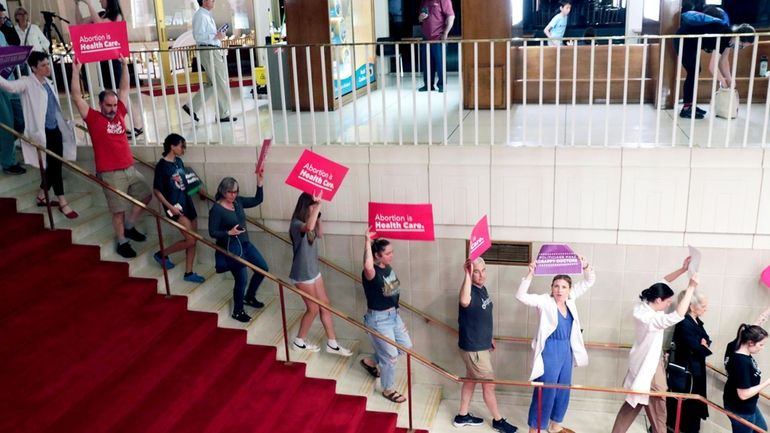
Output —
(630, 211)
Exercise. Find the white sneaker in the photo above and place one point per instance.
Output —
(339, 350)
(307, 347)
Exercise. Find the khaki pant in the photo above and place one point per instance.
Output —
(213, 61)
(656, 409)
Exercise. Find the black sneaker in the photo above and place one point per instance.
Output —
(440, 89)
(686, 113)
(467, 419)
(134, 234)
(503, 426)
(699, 111)
(423, 89)
(126, 251)
(253, 303)
(15, 169)
(241, 316)
(186, 109)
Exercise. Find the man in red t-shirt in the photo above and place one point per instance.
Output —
(437, 18)
(113, 158)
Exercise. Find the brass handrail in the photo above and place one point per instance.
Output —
(408, 351)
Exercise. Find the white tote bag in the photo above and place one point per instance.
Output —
(726, 103)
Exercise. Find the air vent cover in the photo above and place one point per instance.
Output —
(507, 253)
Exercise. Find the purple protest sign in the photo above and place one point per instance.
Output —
(557, 259)
(12, 56)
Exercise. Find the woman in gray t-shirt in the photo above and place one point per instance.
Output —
(305, 231)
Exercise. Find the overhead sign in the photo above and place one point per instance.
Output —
(402, 221)
(97, 42)
(555, 259)
(314, 174)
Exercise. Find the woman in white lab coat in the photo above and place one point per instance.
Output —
(645, 366)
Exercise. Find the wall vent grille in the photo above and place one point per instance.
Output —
(507, 253)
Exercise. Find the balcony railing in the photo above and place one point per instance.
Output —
(606, 91)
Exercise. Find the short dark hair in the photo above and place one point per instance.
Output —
(104, 93)
(200, 2)
(655, 291)
(378, 246)
(563, 3)
(172, 139)
(35, 58)
(744, 29)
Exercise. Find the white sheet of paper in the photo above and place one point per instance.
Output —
(695, 257)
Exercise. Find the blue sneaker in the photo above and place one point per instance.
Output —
(192, 277)
(169, 264)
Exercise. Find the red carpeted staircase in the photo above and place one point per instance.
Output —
(86, 348)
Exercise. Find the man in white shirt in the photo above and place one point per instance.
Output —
(208, 37)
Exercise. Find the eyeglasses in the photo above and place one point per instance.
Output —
(234, 191)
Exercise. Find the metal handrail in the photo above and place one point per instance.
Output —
(408, 351)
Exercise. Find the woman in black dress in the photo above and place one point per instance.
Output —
(691, 349)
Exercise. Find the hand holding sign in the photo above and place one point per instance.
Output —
(480, 241)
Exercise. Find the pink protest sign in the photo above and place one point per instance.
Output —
(97, 42)
(263, 154)
(766, 277)
(314, 173)
(557, 259)
(480, 241)
(402, 221)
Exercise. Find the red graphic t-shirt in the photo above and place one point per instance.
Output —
(111, 149)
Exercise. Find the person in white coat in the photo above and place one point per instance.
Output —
(646, 370)
(30, 34)
(45, 125)
(557, 346)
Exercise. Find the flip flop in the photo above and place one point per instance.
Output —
(41, 202)
(394, 396)
(369, 369)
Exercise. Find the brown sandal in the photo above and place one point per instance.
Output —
(394, 396)
(369, 369)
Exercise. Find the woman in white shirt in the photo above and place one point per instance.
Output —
(557, 346)
(645, 365)
(30, 34)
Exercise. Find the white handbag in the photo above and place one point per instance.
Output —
(726, 103)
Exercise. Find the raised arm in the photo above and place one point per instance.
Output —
(77, 94)
(522, 294)
(315, 210)
(677, 273)
(123, 88)
(368, 258)
(589, 278)
(259, 196)
(762, 318)
(684, 305)
(465, 288)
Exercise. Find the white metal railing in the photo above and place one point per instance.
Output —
(569, 95)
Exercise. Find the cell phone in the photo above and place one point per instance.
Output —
(224, 28)
(424, 11)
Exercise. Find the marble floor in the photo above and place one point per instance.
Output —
(395, 113)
